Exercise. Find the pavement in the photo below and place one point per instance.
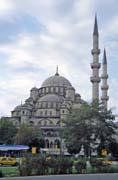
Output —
(69, 177)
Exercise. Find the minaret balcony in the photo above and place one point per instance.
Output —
(104, 76)
(106, 98)
(95, 51)
(95, 65)
(104, 87)
(95, 79)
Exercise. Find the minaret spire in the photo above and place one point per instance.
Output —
(95, 66)
(104, 78)
(95, 32)
(104, 57)
(57, 74)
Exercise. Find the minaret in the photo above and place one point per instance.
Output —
(104, 78)
(95, 66)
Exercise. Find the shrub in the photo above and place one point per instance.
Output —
(1, 174)
(80, 166)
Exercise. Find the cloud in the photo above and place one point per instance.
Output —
(83, 8)
(39, 35)
(5, 6)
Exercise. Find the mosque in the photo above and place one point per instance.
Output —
(50, 103)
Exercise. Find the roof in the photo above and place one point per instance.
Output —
(51, 98)
(17, 108)
(34, 89)
(57, 81)
(13, 147)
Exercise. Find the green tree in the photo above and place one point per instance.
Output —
(29, 135)
(104, 127)
(114, 149)
(77, 129)
(88, 125)
(7, 131)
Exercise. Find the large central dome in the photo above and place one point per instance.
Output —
(57, 81)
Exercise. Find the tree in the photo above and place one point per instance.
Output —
(105, 127)
(88, 126)
(77, 129)
(29, 135)
(114, 149)
(7, 131)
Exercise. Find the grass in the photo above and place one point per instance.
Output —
(14, 171)
(10, 171)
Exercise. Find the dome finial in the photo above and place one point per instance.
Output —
(57, 74)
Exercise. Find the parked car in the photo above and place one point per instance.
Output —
(8, 161)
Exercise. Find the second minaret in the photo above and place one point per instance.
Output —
(104, 78)
(95, 79)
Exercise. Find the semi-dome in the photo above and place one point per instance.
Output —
(57, 81)
(51, 98)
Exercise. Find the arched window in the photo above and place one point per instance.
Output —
(45, 123)
(31, 123)
(57, 143)
(43, 104)
(54, 89)
(51, 89)
(46, 143)
(39, 105)
(51, 144)
(61, 89)
(54, 104)
(43, 90)
(50, 113)
(45, 113)
(41, 113)
(46, 89)
(17, 113)
(57, 90)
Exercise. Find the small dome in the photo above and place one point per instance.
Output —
(51, 98)
(56, 80)
(26, 106)
(17, 108)
(34, 89)
(77, 95)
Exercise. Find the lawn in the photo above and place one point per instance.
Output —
(10, 171)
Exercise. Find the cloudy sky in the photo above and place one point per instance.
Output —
(38, 35)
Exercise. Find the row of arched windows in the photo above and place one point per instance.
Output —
(46, 90)
(45, 123)
(48, 105)
(47, 113)
(52, 144)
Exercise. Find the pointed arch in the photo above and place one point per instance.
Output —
(46, 143)
(51, 144)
